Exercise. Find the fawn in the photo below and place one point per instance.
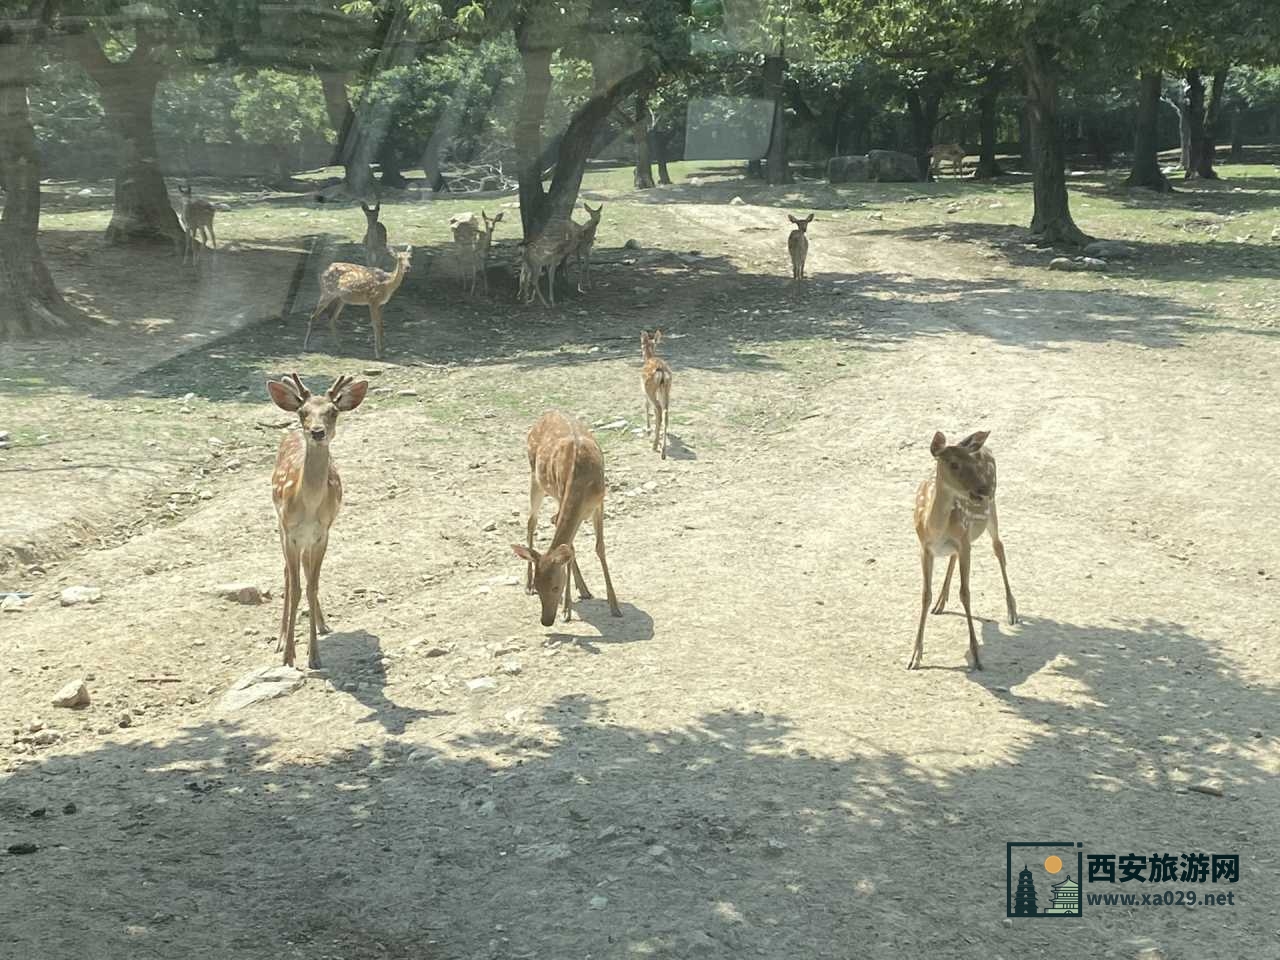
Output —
(656, 376)
(547, 251)
(480, 251)
(344, 283)
(307, 492)
(798, 245)
(586, 241)
(953, 508)
(375, 236)
(196, 214)
(564, 461)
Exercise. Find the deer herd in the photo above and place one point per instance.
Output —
(953, 508)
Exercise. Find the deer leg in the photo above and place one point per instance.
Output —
(336, 311)
(946, 586)
(926, 568)
(551, 281)
(320, 308)
(648, 404)
(311, 561)
(284, 608)
(666, 418)
(537, 288)
(535, 505)
(998, 546)
(317, 612)
(608, 583)
(293, 590)
(657, 424)
(583, 592)
(375, 315)
(213, 237)
(965, 551)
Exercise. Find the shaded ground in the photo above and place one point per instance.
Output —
(739, 766)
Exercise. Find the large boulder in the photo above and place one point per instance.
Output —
(890, 166)
(855, 169)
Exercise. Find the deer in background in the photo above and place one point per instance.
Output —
(656, 375)
(344, 283)
(586, 242)
(798, 245)
(566, 462)
(375, 236)
(307, 493)
(196, 214)
(549, 249)
(953, 508)
(951, 152)
(465, 232)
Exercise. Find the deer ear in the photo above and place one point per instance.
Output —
(284, 395)
(498, 218)
(809, 218)
(657, 335)
(975, 440)
(792, 219)
(561, 554)
(939, 442)
(525, 553)
(351, 395)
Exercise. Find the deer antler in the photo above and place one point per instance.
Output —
(303, 392)
(338, 386)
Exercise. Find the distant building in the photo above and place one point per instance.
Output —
(1066, 898)
(1024, 901)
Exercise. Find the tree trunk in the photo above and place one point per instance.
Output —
(776, 170)
(988, 101)
(1146, 138)
(1024, 136)
(389, 167)
(1051, 220)
(1209, 130)
(661, 140)
(142, 211)
(643, 178)
(341, 116)
(924, 119)
(1193, 98)
(1237, 137)
(1184, 130)
(29, 301)
(755, 169)
(431, 167)
(528, 137)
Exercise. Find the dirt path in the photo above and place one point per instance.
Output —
(740, 766)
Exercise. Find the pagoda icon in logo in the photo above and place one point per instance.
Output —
(1066, 898)
(1051, 866)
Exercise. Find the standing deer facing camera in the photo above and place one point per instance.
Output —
(656, 375)
(798, 245)
(307, 493)
(564, 461)
(375, 236)
(196, 214)
(953, 508)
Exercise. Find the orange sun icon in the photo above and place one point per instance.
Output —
(1053, 864)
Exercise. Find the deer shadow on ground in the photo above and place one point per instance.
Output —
(353, 661)
(634, 626)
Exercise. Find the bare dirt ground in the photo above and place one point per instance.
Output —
(740, 766)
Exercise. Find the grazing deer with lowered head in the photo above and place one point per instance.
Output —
(564, 461)
(196, 214)
(307, 492)
(953, 508)
(798, 245)
(545, 252)
(586, 241)
(656, 375)
(344, 283)
(949, 152)
(375, 236)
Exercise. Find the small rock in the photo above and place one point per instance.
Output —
(21, 848)
(649, 486)
(657, 851)
(774, 847)
(12, 604)
(1109, 250)
(481, 683)
(34, 725)
(1007, 922)
(489, 527)
(511, 666)
(125, 720)
(1061, 263)
(372, 371)
(598, 902)
(73, 595)
(437, 651)
(37, 813)
(46, 737)
(247, 593)
(954, 208)
(74, 694)
(737, 202)
(1208, 788)
(407, 392)
(205, 494)
(631, 244)
(875, 215)
(1092, 263)
(259, 685)
(69, 809)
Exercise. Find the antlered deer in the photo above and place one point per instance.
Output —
(307, 493)
(798, 245)
(656, 375)
(344, 283)
(953, 508)
(564, 461)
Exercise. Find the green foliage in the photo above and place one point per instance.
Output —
(280, 108)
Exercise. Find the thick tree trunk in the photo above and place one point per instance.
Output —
(431, 166)
(1024, 136)
(1051, 220)
(142, 209)
(776, 170)
(924, 119)
(1184, 130)
(528, 138)
(988, 101)
(1209, 129)
(390, 174)
(29, 301)
(1193, 97)
(755, 169)
(1146, 144)
(341, 116)
(660, 140)
(643, 178)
